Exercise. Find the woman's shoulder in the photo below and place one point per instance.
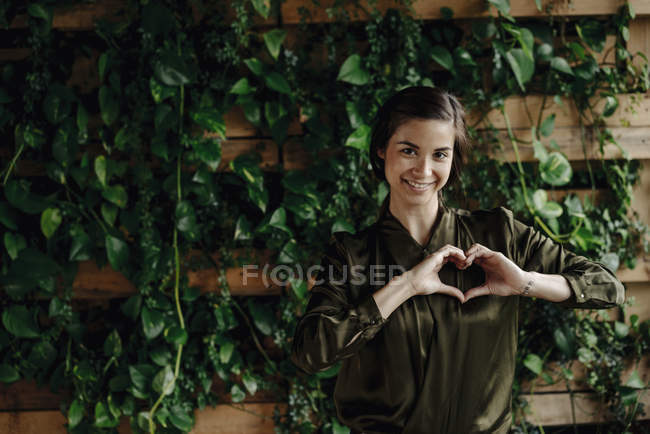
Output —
(487, 216)
(355, 244)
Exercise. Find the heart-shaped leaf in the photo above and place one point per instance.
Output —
(353, 72)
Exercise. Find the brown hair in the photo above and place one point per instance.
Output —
(419, 102)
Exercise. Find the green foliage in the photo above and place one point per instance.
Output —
(131, 178)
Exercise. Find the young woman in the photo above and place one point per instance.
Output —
(432, 350)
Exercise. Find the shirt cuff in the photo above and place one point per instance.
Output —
(369, 314)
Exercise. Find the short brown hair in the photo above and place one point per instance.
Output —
(419, 102)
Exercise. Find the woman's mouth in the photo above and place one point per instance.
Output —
(417, 186)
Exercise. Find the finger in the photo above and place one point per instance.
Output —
(477, 292)
(453, 291)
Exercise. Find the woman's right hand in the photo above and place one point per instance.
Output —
(424, 276)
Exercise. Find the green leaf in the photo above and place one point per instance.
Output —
(263, 7)
(109, 213)
(160, 355)
(277, 82)
(255, 66)
(141, 375)
(109, 105)
(14, 243)
(503, 6)
(236, 393)
(342, 226)
(621, 329)
(180, 419)
(360, 138)
(546, 209)
(463, 57)
(8, 216)
(56, 105)
(8, 374)
(539, 151)
(593, 33)
(242, 87)
(115, 194)
(556, 170)
(171, 70)
(103, 418)
(574, 206)
(225, 351)
(102, 65)
(299, 287)
(113, 344)
(164, 381)
(153, 322)
(186, 220)
(176, 335)
(20, 197)
(159, 91)
(563, 342)
(273, 40)
(163, 119)
(117, 252)
(546, 129)
(243, 230)
(209, 151)
(635, 381)
(521, 66)
(50, 221)
(611, 261)
(20, 322)
(75, 413)
(534, 363)
(131, 307)
(611, 104)
(560, 64)
(274, 111)
(353, 72)
(250, 383)
(263, 316)
(211, 119)
(443, 57)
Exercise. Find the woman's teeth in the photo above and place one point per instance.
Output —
(418, 185)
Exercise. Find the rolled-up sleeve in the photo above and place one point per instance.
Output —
(592, 285)
(334, 327)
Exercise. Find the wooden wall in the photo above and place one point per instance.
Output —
(26, 409)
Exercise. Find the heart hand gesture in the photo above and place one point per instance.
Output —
(424, 277)
(502, 276)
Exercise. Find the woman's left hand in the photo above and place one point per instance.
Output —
(502, 276)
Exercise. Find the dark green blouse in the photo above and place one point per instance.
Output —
(435, 365)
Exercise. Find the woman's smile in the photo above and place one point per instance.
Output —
(418, 186)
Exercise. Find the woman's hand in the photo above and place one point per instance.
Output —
(424, 276)
(502, 276)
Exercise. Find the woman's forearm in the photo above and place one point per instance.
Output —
(551, 287)
(391, 296)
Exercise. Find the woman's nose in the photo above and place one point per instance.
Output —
(424, 166)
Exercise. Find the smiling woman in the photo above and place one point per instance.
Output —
(433, 349)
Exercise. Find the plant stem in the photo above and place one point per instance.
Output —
(12, 163)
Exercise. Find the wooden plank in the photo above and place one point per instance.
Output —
(238, 126)
(552, 409)
(430, 9)
(222, 419)
(82, 16)
(231, 149)
(578, 384)
(634, 140)
(33, 422)
(79, 16)
(236, 419)
(14, 54)
(639, 39)
(634, 111)
(26, 395)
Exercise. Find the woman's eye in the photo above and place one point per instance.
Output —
(408, 151)
(440, 155)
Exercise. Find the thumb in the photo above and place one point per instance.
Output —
(477, 291)
(453, 291)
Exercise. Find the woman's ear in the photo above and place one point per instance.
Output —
(381, 153)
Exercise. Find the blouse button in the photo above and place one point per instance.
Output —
(582, 295)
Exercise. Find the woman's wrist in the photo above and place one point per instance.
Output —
(397, 291)
(551, 287)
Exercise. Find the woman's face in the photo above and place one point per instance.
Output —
(417, 160)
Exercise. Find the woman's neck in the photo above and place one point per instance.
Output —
(418, 220)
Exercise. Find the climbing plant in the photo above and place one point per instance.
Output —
(126, 173)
